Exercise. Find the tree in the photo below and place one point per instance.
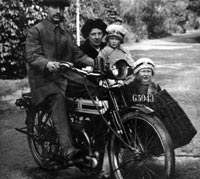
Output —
(16, 17)
(194, 5)
(147, 18)
(157, 18)
(153, 14)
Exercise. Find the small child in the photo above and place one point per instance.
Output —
(114, 51)
(111, 53)
(143, 87)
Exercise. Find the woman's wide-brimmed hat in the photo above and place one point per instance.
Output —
(57, 2)
(91, 24)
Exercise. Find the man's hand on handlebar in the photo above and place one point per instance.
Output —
(53, 66)
(88, 69)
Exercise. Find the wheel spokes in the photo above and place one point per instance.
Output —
(44, 141)
(141, 162)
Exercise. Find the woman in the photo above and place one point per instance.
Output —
(93, 31)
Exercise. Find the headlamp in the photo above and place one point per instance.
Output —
(115, 71)
(120, 69)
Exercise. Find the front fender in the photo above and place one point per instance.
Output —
(138, 108)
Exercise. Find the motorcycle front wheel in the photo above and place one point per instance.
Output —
(42, 140)
(152, 153)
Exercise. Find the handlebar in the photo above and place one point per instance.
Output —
(104, 82)
(68, 65)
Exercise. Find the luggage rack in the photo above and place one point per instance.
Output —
(24, 102)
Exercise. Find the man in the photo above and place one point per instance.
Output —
(93, 31)
(47, 44)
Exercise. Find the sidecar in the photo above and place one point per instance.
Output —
(174, 118)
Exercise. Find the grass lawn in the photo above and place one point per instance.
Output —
(8, 87)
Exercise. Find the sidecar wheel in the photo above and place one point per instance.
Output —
(43, 141)
(152, 153)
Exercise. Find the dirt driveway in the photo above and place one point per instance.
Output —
(178, 71)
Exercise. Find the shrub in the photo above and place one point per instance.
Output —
(147, 18)
(16, 17)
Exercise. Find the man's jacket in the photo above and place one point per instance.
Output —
(47, 42)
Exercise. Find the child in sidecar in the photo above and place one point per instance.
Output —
(143, 87)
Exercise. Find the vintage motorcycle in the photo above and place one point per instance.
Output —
(137, 142)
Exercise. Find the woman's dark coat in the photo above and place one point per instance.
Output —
(89, 50)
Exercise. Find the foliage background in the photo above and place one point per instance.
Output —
(144, 19)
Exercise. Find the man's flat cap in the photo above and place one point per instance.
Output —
(57, 2)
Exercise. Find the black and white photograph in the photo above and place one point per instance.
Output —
(99, 89)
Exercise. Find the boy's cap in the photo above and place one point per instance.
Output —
(91, 24)
(56, 2)
(142, 63)
(115, 30)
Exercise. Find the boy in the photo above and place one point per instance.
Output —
(143, 87)
(114, 51)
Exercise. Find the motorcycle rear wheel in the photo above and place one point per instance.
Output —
(152, 156)
(43, 141)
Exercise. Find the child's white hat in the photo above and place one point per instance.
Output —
(116, 31)
(142, 63)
